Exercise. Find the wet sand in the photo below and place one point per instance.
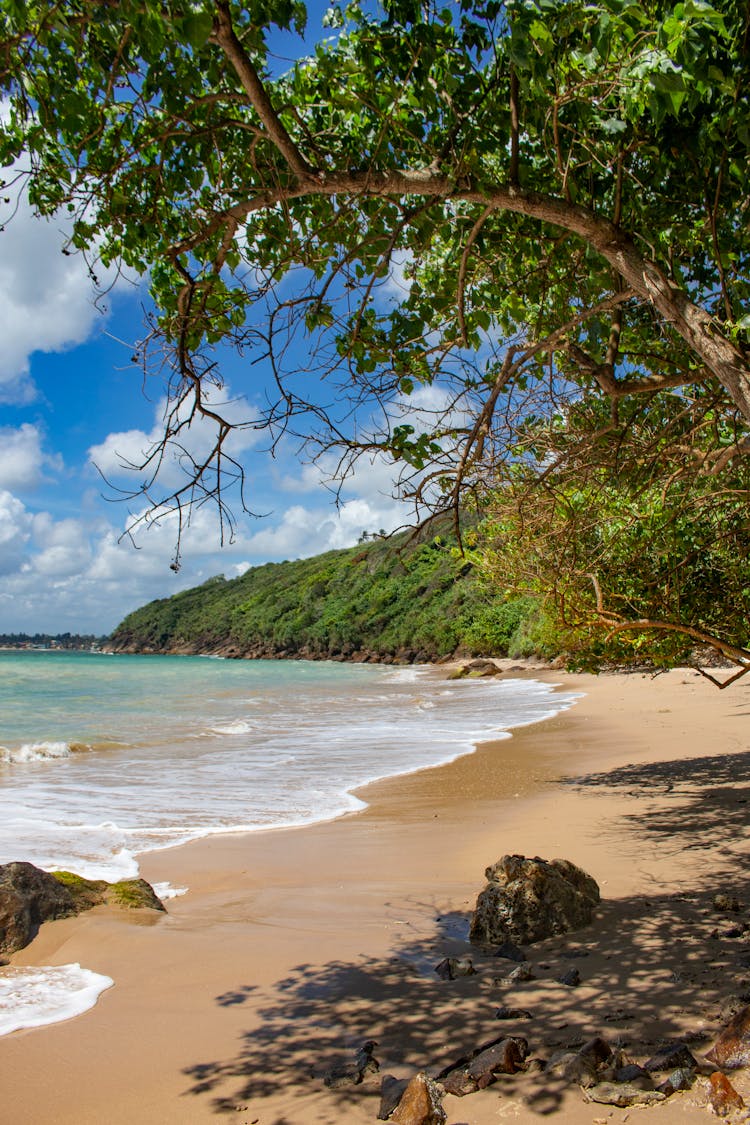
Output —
(294, 947)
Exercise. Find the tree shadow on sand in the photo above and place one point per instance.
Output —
(653, 967)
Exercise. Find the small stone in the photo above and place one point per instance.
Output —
(420, 1104)
(727, 904)
(572, 978)
(623, 1094)
(636, 1075)
(670, 1057)
(512, 1014)
(680, 1079)
(522, 973)
(722, 1096)
(452, 967)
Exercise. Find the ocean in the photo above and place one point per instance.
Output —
(104, 757)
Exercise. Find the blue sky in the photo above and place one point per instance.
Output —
(72, 400)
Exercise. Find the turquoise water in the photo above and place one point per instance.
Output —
(104, 757)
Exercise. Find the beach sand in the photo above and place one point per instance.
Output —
(294, 947)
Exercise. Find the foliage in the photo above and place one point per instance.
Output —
(440, 231)
(630, 564)
(388, 599)
(562, 185)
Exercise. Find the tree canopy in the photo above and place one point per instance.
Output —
(559, 188)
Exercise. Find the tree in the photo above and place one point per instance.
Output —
(560, 187)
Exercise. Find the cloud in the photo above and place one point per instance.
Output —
(120, 455)
(47, 298)
(15, 531)
(22, 461)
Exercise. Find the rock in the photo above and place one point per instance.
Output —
(680, 1079)
(671, 1056)
(352, 1073)
(452, 967)
(572, 978)
(480, 1069)
(732, 1048)
(573, 1068)
(636, 1075)
(391, 1091)
(722, 1096)
(512, 1014)
(420, 1104)
(727, 904)
(519, 974)
(623, 1094)
(28, 897)
(510, 952)
(527, 900)
(597, 1050)
(134, 894)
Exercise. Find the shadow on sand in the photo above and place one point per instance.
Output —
(653, 967)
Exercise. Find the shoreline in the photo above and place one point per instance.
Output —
(293, 947)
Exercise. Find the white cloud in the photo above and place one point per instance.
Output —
(22, 461)
(120, 455)
(15, 532)
(46, 297)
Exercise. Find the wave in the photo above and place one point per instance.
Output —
(37, 752)
(35, 997)
(238, 727)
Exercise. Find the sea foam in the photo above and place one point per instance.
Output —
(33, 997)
(35, 752)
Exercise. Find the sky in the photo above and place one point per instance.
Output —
(73, 406)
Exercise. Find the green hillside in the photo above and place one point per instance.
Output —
(392, 599)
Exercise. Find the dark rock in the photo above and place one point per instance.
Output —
(452, 967)
(512, 1014)
(527, 900)
(722, 1096)
(636, 1075)
(735, 930)
(352, 1073)
(28, 897)
(671, 1056)
(391, 1091)
(623, 1094)
(572, 978)
(479, 1070)
(680, 1079)
(420, 1104)
(597, 1050)
(573, 1068)
(732, 1048)
(727, 904)
(510, 952)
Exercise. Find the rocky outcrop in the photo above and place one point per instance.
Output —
(30, 896)
(528, 900)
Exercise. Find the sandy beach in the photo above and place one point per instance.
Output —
(292, 948)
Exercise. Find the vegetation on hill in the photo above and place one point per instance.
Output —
(397, 599)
